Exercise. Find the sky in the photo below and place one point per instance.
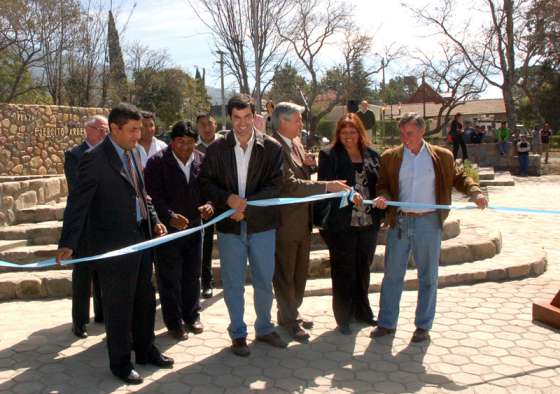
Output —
(174, 26)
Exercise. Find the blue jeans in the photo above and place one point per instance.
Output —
(234, 251)
(503, 146)
(523, 164)
(422, 237)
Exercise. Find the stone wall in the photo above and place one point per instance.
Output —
(33, 138)
(22, 194)
(488, 155)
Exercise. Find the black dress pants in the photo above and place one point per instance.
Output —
(458, 141)
(208, 245)
(178, 275)
(351, 254)
(82, 277)
(129, 307)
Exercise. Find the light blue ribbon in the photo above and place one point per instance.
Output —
(345, 197)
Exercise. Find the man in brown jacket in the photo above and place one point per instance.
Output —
(416, 172)
(293, 237)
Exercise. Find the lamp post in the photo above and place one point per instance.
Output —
(221, 62)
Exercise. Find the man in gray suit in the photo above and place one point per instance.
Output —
(293, 238)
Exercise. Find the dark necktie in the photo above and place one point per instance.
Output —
(134, 180)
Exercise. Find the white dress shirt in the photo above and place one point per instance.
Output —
(417, 179)
(155, 147)
(242, 158)
(186, 168)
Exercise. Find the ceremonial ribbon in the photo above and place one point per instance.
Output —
(345, 197)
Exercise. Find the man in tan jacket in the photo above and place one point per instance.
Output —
(293, 238)
(416, 172)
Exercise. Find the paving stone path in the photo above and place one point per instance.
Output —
(483, 338)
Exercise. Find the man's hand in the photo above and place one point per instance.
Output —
(237, 216)
(480, 200)
(178, 221)
(206, 211)
(379, 202)
(159, 229)
(309, 160)
(63, 254)
(337, 186)
(236, 202)
(358, 199)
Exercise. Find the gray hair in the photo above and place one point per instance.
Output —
(412, 117)
(284, 111)
(90, 122)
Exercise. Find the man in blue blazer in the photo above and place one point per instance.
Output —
(82, 274)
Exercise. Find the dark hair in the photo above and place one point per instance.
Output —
(352, 120)
(457, 115)
(203, 115)
(147, 115)
(240, 101)
(123, 112)
(183, 129)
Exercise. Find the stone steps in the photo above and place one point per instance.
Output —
(470, 246)
(513, 264)
(41, 213)
(486, 173)
(507, 266)
(26, 254)
(501, 178)
(6, 245)
(35, 233)
(451, 229)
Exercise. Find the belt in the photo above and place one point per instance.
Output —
(415, 214)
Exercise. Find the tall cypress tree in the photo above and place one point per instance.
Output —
(118, 84)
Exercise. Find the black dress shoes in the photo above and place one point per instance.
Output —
(157, 359)
(79, 330)
(307, 324)
(132, 377)
(344, 329)
(207, 292)
(195, 328)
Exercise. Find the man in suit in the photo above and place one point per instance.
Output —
(206, 128)
(110, 209)
(293, 238)
(245, 165)
(82, 274)
(416, 172)
(172, 182)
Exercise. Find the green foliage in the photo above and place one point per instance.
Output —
(29, 93)
(119, 85)
(286, 83)
(326, 128)
(471, 170)
(171, 93)
(545, 88)
(399, 89)
(387, 132)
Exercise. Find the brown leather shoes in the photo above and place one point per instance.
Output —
(179, 334)
(298, 334)
(420, 335)
(273, 339)
(195, 328)
(381, 332)
(239, 347)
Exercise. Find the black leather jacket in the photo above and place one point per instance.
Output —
(218, 179)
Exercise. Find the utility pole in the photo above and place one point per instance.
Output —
(222, 53)
(423, 96)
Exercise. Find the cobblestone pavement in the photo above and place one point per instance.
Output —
(483, 338)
